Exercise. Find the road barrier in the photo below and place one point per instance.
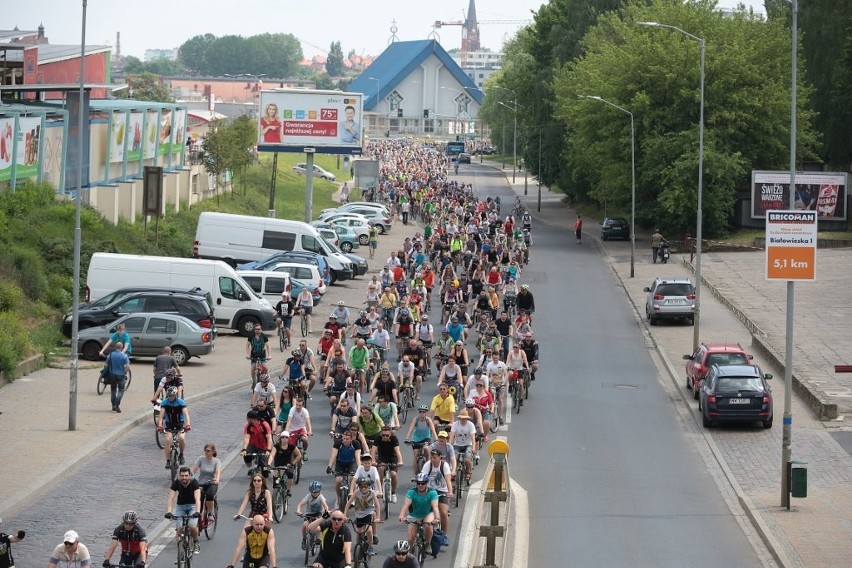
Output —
(492, 512)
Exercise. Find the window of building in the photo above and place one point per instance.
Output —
(462, 103)
(394, 100)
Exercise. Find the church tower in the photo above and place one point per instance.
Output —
(470, 32)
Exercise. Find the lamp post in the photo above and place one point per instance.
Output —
(378, 88)
(699, 215)
(256, 78)
(233, 81)
(632, 178)
(515, 130)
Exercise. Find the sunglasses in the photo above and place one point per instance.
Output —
(70, 543)
(337, 520)
(422, 483)
(400, 554)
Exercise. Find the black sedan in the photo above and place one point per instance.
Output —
(464, 158)
(735, 393)
(615, 228)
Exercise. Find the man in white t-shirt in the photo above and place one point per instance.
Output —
(299, 426)
(463, 440)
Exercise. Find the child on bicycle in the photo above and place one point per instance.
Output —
(314, 505)
(365, 503)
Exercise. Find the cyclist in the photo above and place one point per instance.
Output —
(476, 419)
(283, 454)
(361, 327)
(173, 420)
(521, 326)
(264, 390)
(132, 539)
(463, 440)
(344, 414)
(345, 456)
(335, 541)
(443, 407)
(185, 500)
(305, 301)
(484, 402)
(497, 374)
(420, 504)
(417, 355)
(258, 498)
(403, 329)
(359, 360)
(526, 301)
(208, 470)
(387, 411)
(380, 339)
(171, 378)
(336, 330)
(510, 294)
(456, 329)
(440, 476)
(258, 542)
(284, 311)
(388, 301)
(369, 423)
(315, 505)
(401, 557)
(365, 503)
(530, 347)
(266, 412)
(516, 361)
(470, 383)
(162, 364)
(257, 348)
(354, 398)
(451, 375)
(295, 366)
(299, 426)
(257, 439)
(6, 542)
(344, 318)
(505, 329)
(385, 385)
(388, 454)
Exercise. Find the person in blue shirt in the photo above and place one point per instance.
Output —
(174, 419)
(118, 366)
(456, 329)
(121, 335)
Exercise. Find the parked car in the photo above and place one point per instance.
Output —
(149, 333)
(192, 304)
(308, 273)
(272, 285)
(357, 224)
(735, 393)
(706, 356)
(615, 228)
(360, 264)
(464, 158)
(292, 256)
(670, 298)
(486, 150)
(357, 204)
(342, 236)
(381, 220)
(300, 169)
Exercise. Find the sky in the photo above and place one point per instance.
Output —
(364, 26)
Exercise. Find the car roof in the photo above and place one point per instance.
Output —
(723, 347)
(751, 371)
(674, 280)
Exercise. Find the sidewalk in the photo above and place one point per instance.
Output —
(738, 304)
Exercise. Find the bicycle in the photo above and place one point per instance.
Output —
(516, 389)
(280, 493)
(256, 363)
(461, 477)
(361, 551)
(185, 547)
(102, 385)
(420, 460)
(418, 549)
(310, 544)
(158, 436)
(301, 445)
(204, 522)
(343, 492)
(256, 465)
(499, 405)
(387, 486)
(303, 321)
(174, 452)
(283, 339)
(406, 401)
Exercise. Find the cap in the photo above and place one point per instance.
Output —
(332, 316)
(366, 456)
(443, 434)
(435, 452)
(327, 331)
(71, 536)
(341, 303)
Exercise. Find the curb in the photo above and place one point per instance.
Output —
(15, 505)
(755, 517)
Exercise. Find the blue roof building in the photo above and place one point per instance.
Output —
(414, 88)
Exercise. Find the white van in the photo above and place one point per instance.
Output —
(307, 273)
(238, 239)
(235, 305)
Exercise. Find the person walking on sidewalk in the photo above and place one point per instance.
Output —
(656, 240)
(118, 365)
(578, 229)
(6, 541)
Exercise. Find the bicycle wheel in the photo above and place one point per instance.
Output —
(309, 548)
(527, 381)
(279, 508)
(418, 552)
(173, 462)
(281, 339)
(304, 326)
(358, 555)
(158, 436)
(386, 488)
(403, 410)
(128, 380)
(298, 475)
(494, 424)
(101, 385)
(255, 376)
(459, 483)
(183, 553)
(210, 529)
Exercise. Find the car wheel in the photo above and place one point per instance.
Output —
(181, 354)
(603, 237)
(346, 247)
(688, 383)
(381, 228)
(91, 350)
(695, 393)
(768, 423)
(705, 421)
(363, 240)
(652, 319)
(246, 326)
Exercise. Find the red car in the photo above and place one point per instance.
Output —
(706, 356)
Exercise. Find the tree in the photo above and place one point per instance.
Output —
(334, 60)
(145, 87)
(275, 55)
(654, 73)
(323, 81)
(193, 52)
(228, 146)
(163, 67)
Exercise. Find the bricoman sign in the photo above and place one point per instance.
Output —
(791, 243)
(822, 192)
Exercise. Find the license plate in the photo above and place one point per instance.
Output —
(739, 401)
(675, 302)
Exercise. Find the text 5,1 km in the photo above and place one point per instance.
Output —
(791, 243)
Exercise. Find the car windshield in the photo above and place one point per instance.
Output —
(683, 289)
(109, 299)
(727, 359)
(617, 222)
(738, 384)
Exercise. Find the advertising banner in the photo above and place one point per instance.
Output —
(823, 192)
(165, 132)
(7, 132)
(119, 131)
(291, 120)
(78, 150)
(180, 131)
(29, 133)
(791, 244)
(134, 151)
(151, 135)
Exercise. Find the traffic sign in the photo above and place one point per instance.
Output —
(791, 243)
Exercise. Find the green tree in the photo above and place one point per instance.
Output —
(654, 73)
(323, 81)
(145, 87)
(131, 64)
(164, 67)
(334, 60)
(193, 53)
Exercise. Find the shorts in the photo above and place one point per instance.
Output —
(419, 445)
(343, 468)
(442, 499)
(182, 511)
(286, 321)
(308, 309)
(325, 563)
(210, 490)
(296, 434)
(249, 562)
(391, 463)
(461, 450)
(364, 521)
(374, 245)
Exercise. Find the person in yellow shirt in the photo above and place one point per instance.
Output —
(443, 406)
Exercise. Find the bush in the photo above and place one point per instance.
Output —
(27, 198)
(30, 268)
(11, 298)
(14, 341)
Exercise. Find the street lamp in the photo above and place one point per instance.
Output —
(233, 81)
(698, 236)
(632, 178)
(515, 134)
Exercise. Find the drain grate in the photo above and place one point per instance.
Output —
(622, 386)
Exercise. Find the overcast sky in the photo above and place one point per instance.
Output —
(363, 26)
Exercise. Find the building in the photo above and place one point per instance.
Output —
(479, 65)
(414, 88)
(154, 54)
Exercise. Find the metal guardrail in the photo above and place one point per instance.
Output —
(493, 510)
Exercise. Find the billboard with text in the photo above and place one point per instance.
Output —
(823, 192)
(295, 119)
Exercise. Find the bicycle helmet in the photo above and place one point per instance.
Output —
(131, 517)
(421, 478)
(401, 546)
(423, 407)
(295, 353)
(341, 303)
(403, 312)
(264, 378)
(364, 482)
(253, 414)
(454, 319)
(478, 371)
(285, 435)
(469, 403)
(315, 486)
(171, 374)
(172, 391)
(445, 331)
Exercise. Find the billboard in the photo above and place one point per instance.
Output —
(119, 131)
(455, 148)
(291, 120)
(823, 192)
(791, 244)
(26, 157)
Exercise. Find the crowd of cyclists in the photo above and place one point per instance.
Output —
(449, 306)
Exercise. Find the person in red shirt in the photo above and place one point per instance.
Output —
(324, 347)
(398, 273)
(257, 439)
(333, 326)
(578, 229)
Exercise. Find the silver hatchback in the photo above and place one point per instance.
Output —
(670, 298)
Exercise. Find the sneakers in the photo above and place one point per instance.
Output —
(211, 518)
(304, 457)
(196, 549)
(428, 549)
(375, 540)
(393, 498)
(289, 494)
(445, 541)
(168, 464)
(117, 409)
(180, 459)
(371, 551)
(303, 543)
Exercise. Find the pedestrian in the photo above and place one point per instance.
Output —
(163, 363)
(118, 366)
(578, 229)
(70, 553)
(6, 541)
(656, 240)
(344, 194)
(121, 335)
(406, 209)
